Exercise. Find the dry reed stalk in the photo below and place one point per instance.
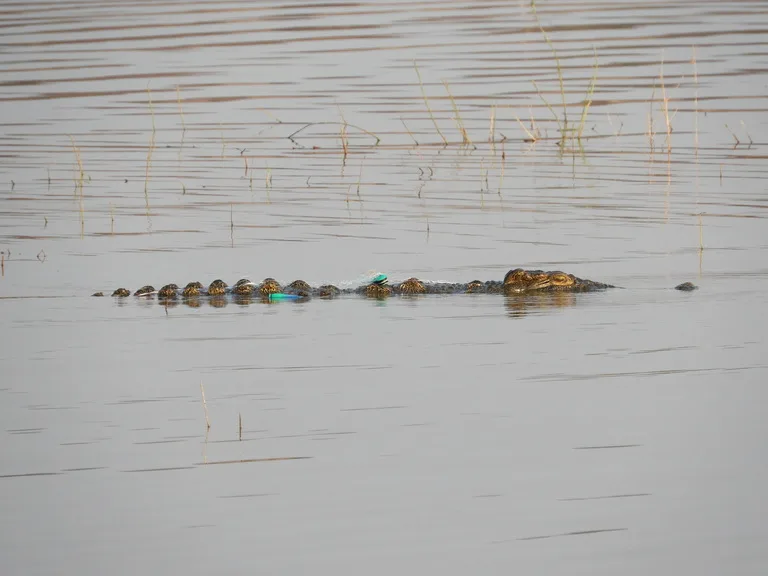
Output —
(2, 263)
(746, 132)
(239, 426)
(151, 108)
(588, 100)
(701, 233)
(531, 137)
(343, 132)
(665, 108)
(651, 130)
(457, 117)
(503, 164)
(245, 161)
(560, 127)
(492, 126)
(426, 102)
(363, 130)
(564, 128)
(81, 172)
(111, 218)
(534, 128)
(695, 103)
(231, 224)
(79, 187)
(408, 131)
(205, 408)
(360, 176)
(181, 110)
(344, 143)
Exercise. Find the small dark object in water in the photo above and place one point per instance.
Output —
(168, 292)
(145, 291)
(121, 293)
(217, 288)
(98, 294)
(687, 287)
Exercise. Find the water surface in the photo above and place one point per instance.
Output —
(594, 433)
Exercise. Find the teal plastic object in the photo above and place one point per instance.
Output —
(280, 296)
(379, 279)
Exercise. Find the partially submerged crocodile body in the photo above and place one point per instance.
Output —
(517, 281)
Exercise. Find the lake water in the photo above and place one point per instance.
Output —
(598, 433)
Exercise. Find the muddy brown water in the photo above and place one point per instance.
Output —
(603, 433)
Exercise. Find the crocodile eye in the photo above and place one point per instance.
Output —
(540, 281)
(561, 279)
(516, 276)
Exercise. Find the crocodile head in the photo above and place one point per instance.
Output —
(519, 280)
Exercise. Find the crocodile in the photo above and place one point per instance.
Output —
(516, 281)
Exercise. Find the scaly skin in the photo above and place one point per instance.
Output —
(410, 286)
(192, 290)
(244, 287)
(168, 292)
(217, 288)
(269, 286)
(474, 287)
(326, 291)
(145, 291)
(298, 287)
(378, 290)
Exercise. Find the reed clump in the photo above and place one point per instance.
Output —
(565, 129)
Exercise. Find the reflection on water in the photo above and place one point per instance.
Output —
(614, 140)
(518, 305)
